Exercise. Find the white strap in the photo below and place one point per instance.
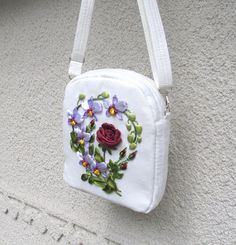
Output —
(156, 43)
(81, 37)
(154, 35)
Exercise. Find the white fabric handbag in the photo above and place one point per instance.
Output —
(116, 122)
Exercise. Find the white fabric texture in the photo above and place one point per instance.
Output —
(154, 34)
(144, 181)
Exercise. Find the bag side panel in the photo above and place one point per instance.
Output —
(161, 161)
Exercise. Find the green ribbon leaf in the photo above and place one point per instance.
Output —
(73, 136)
(118, 175)
(98, 156)
(112, 184)
(91, 149)
(92, 138)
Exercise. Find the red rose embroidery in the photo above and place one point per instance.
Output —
(108, 136)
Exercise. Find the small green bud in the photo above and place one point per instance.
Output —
(139, 129)
(132, 146)
(105, 95)
(81, 96)
(132, 117)
(130, 138)
(128, 126)
(84, 177)
(139, 139)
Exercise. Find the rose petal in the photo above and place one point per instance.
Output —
(108, 126)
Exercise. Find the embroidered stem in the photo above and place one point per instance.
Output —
(104, 154)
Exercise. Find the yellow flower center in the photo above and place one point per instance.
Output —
(72, 122)
(81, 141)
(90, 113)
(84, 164)
(97, 172)
(112, 111)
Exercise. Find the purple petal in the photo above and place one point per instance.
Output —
(86, 145)
(90, 103)
(79, 133)
(86, 136)
(89, 159)
(119, 115)
(121, 106)
(78, 118)
(101, 166)
(85, 115)
(106, 104)
(114, 100)
(92, 166)
(75, 111)
(96, 107)
(108, 113)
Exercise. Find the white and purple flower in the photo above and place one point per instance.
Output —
(116, 108)
(92, 108)
(86, 160)
(99, 168)
(83, 138)
(74, 118)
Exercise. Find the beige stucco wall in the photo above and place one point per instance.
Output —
(36, 206)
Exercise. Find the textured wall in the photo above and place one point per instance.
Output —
(36, 206)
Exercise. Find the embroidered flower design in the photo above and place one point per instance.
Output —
(92, 108)
(83, 138)
(102, 171)
(108, 136)
(86, 160)
(116, 108)
(74, 118)
(99, 168)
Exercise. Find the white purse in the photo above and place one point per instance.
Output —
(116, 122)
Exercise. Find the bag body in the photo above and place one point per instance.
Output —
(143, 181)
(116, 122)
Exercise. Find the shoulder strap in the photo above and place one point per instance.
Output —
(154, 35)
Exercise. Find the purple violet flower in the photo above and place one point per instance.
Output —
(74, 118)
(86, 160)
(116, 108)
(99, 168)
(91, 108)
(83, 137)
